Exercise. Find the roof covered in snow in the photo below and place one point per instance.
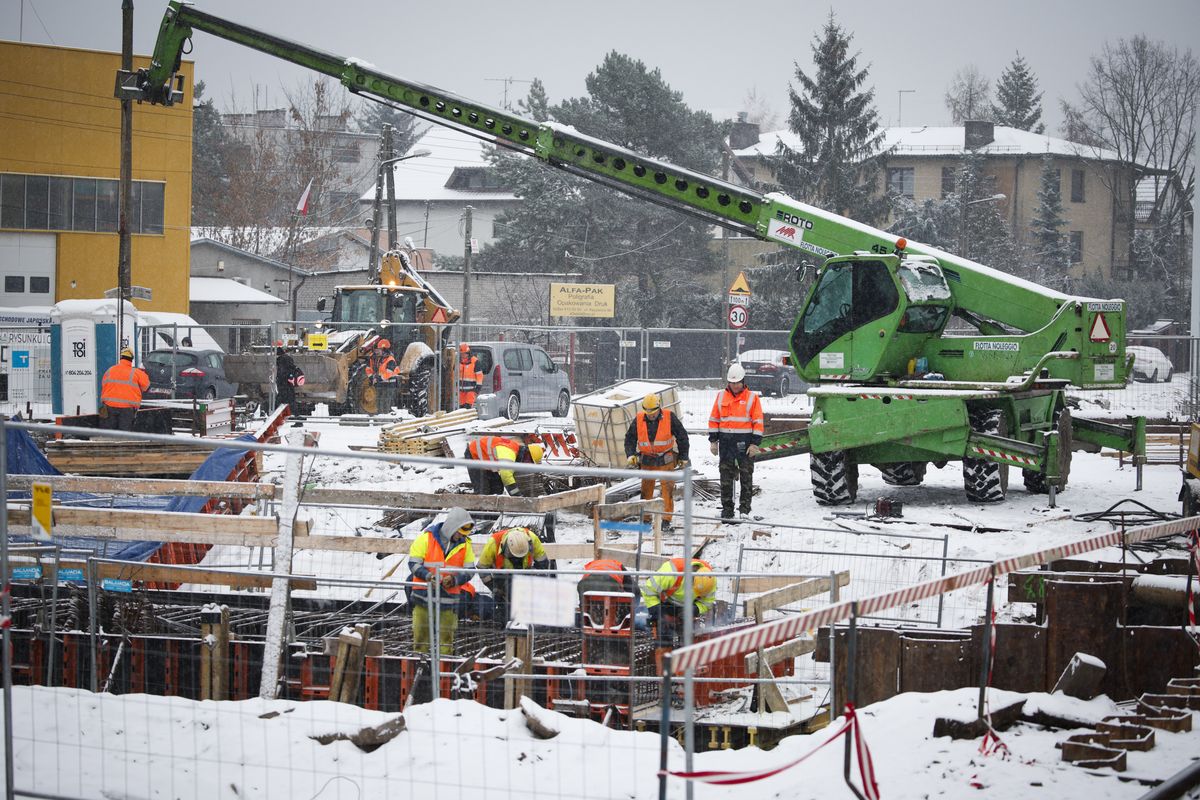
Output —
(455, 161)
(226, 290)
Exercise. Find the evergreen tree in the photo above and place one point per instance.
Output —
(983, 233)
(209, 145)
(1051, 250)
(1020, 102)
(932, 222)
(406, 129)
(536, 104)
(656, 256)
(838, 163)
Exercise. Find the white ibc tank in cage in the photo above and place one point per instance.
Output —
(83, 344)
(603, 417)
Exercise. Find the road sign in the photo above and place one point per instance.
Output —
(739, 299)
(740, 284)
(1099, 332)
(135, 293)
(439, 317)
(738, 316)
(43, 516)
(318, 341)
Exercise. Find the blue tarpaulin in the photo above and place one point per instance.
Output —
(24, 457)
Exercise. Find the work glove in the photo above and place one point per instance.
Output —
(753, 450)
(447, 581)
(714, 448)
(513, 490)
(632, 462)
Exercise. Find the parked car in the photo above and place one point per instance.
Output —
(519, 377)
(771, 372)
(1150, 365)
(197, 373)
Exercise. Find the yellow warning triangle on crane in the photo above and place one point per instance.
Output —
(740, 284)
(1099, 332)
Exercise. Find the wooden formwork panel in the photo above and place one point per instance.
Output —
(877, 656)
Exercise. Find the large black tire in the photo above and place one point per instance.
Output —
(834, 478)
(1035, 480)
(416, 395)
(905, 473)
(361, 394)
(986, 481)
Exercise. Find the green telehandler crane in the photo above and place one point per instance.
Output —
(891, 388)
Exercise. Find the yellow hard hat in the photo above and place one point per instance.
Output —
(703, 584)
(650, 402)
(127, 353)
(536, 451)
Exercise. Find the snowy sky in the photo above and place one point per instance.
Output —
(713, 52)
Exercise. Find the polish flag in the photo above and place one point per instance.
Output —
(302, 206)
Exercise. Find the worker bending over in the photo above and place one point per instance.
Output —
(651, 443)
(663, 593)
(443, 544)
(498, 449)
(510, 549)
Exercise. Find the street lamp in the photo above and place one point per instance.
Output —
(962, 218)
(373, 258)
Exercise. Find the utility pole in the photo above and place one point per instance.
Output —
(389, 154)
(376, 214)
(425, 238)
(124, 270)
(466, 309)
(725, 282)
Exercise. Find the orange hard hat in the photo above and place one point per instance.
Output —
(464, 348)
(383, 344)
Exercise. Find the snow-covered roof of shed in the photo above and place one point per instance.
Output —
(425, 178)
(949, 140)
(225, 290)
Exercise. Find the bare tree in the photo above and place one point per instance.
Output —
(759, 110)
(1139, 104)
(969, 95)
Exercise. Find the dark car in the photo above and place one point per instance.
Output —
(771, 372)
(197, 373)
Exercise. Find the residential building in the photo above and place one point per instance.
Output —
(922, 163)
(237, 295)
(59, 181)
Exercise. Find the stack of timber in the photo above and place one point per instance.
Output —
(125, 458)
(425, 436)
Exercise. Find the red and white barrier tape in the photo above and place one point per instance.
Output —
(781, 630)
(1194, 547)
(991, 740)
(5, 619)
(850, 726)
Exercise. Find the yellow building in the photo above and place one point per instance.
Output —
(60, 150)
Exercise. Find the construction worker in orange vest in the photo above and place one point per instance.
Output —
(381, 364)
(510, 549)
(497, 480)
(735, 431)
(443, 544)
(121, 393)
(470, 379)
(664, 596)
(656, 441)
(606, 575)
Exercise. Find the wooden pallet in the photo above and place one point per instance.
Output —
(424, 436)
(124, 458)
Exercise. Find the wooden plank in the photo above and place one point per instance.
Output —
(773, 655)
(470, 502)
(145, 486)
(629, 508)
(134, 520)
(792, 592)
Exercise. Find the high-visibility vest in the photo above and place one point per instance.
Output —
(607, 566)
(663, 441)
(740, 413)
(485, 448)
(382, 364)
(435, 557)
(123, 384)
(469, 376)
(535, 545)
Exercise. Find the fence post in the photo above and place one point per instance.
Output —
(5, 622)
(851, 684)
(689, 599)
(50, 645)
(987, 643)
(435, 640)
(664, 725)
(281, 586)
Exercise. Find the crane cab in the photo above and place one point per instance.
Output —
(868, 316)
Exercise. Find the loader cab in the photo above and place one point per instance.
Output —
(867, 316)
(373, 307)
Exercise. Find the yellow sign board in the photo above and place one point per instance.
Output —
(583, 300)
(740, 284)
(43, 516)
(318, 341)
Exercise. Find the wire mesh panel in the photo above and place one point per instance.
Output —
(25, 370)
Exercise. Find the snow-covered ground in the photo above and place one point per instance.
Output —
(76, 744)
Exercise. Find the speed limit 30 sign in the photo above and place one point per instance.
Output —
(738, 316)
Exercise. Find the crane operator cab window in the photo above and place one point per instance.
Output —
(848, 295)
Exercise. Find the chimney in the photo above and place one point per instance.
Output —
(743, 134)
(978, 133)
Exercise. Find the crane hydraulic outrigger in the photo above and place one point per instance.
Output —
(892, 389)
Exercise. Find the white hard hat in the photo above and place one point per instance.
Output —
(736, 373)
(516, 542)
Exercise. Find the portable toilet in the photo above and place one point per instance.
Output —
(83, 344)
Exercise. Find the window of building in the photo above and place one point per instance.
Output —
(949, 174)
(347, 153)
(901, 181)
(39, 284)
(1076, 247)
(51, 202)
(1077, 186)
(14, 284)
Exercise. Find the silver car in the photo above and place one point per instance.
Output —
(517, 378)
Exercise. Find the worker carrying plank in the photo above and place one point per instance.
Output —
(510, 549)
(663, 593)
(498, 449)
(657, 442)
